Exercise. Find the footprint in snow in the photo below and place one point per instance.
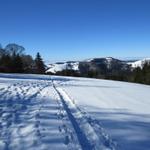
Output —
(37, 124)
(60, 130)
(67, 140)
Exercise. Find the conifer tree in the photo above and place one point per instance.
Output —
(17, 64)
(39, 64)
(5, 63)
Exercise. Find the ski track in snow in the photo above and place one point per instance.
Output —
(90, 134)
(23, 108)
(53, 113)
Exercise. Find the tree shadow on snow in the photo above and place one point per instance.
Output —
(130, 131)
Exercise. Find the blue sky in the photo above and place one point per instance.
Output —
(77, 29)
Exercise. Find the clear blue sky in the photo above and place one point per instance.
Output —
(77, 29)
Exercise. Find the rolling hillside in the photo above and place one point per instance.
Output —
(49, 112)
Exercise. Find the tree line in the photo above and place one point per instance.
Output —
(141, 75)
(136, 75)
(14, 60)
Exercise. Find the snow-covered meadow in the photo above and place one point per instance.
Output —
(52, 113)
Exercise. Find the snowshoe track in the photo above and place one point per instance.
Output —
(18, 106)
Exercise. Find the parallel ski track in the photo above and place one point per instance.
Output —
(85, 144)
(88, 140)
(86, 133)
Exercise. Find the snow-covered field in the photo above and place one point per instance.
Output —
(52, 113)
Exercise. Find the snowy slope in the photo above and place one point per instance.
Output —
(121, 109)
(52, 113)
(139, 63)
(72, 65)
(56, 67)
(108, 61)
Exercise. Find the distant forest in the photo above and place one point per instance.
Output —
(136, 75)
(13, 59)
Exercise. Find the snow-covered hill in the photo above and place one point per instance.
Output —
(56, 67)
(67, 113)
(75, 65)
(109, 62)
(139, 63)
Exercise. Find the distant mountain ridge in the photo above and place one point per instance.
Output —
(96, 64)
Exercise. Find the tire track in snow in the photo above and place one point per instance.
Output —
(86, 134)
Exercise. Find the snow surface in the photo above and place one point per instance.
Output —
(51, 113)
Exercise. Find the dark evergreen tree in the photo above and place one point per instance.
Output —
(39, 64)
(5, 63)
(28, 63)
(146, 73)
(2, 51)
(137, 73)
(18, 64)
